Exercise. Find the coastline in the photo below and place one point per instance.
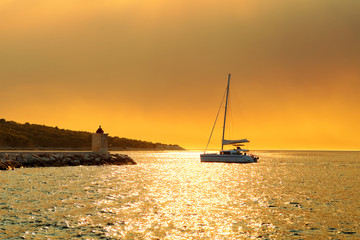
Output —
(114, 149)
(10, 160)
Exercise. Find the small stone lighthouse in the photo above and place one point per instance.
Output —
(100, 141)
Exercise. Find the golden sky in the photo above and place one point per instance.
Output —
(157, 70)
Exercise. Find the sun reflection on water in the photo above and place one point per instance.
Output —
(171, 195)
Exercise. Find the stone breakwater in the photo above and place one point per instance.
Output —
(10, 161)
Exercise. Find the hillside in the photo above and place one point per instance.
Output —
(14, 135)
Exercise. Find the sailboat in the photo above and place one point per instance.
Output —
(236, 155)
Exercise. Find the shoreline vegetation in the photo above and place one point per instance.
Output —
(17, 136)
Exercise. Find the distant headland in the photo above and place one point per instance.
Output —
(17, 136)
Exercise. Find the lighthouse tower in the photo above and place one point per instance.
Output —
(100, 141)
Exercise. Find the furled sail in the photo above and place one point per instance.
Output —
(228, 142)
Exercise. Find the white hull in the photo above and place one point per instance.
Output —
(209, 157)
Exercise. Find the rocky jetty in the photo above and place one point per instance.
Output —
(12, 160)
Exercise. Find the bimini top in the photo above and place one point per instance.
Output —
(228, 142)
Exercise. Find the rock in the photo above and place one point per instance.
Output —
(10, 161)
(8, 165)
(66, 160)
(3, 166)
(28, 158)
(75, 162)
(57, 156)
(19, 159)
(44, 159)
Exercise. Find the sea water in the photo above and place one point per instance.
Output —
(171, 195)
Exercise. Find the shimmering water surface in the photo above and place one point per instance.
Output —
(171, 195)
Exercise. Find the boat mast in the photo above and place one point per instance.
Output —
(226, 103)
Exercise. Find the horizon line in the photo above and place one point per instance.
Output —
(323, 150)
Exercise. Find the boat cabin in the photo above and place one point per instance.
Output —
(237, 151)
